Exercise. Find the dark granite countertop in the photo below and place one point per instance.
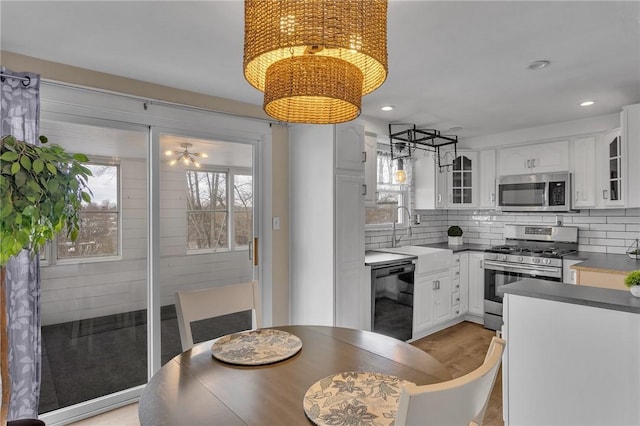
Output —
(457, 249)
(596, 297)
(374, 257)
(601, 262)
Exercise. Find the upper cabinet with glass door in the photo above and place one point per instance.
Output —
(611, 164)
(463, 180)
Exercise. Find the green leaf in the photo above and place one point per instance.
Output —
(15, 167)
(22, 237)
(18, 219)
(9, 156)
(52, 169)
(38, 165)
(25, 162)
(86, 197)
(80, 157)
(6, 210)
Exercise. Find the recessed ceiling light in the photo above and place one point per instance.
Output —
(455, 128)
(387, 108)
(587, 103)
(538, 65)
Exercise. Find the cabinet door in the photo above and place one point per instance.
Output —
(514, 161)
(488, 179)
(429, 184)
(612, 170)
(351, 299)
(370, 170)
(463, 180)
(423, 303)
(584, 177)
(442, 296)
(630, 119)
(476, 284)
(349, 142)
(550, 157)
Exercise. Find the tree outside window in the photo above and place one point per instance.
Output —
(390, 193)
(210, 221)
(99, 220)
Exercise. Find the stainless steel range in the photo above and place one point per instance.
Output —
(530, 251)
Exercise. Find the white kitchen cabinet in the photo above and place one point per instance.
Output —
(423, 304)
(569, 275)
(370, 170)
(327, 271)
(463, 180)
(476, 284)
(583, 172)
(429, 184)
(487, 179)
(611, 170)
(460, 284)
(545, 157)
(630, 119)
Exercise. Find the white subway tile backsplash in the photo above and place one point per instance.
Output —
(602, 231)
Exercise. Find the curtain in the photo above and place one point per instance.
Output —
(20, 117)
(387, 168)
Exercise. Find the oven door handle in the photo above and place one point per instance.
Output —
(538, 270)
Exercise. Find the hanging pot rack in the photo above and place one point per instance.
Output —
(404, 143)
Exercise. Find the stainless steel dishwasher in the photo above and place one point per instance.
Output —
(392, 299)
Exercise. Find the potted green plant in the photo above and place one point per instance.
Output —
(42, 188)
(455, 235)
(633, 282)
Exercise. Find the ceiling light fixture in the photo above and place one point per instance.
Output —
(401, 174)
(315, 59)
(538, 65)
(185, 155)
(388, 108)
(587, 103)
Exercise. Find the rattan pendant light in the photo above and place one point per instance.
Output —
(315, 59)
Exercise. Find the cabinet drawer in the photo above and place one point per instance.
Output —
(455, 298)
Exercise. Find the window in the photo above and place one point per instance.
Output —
(99, 220)
(210, 222)
(390, 193)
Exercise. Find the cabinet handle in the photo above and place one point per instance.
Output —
(364, 156)
(364, 189)
(577, 195)
(434, 285)
(439, 198)
(438, 281)
(482, 264)
(457, 273)
(533, 163)
(493, 198)
(528, 164)
(457, 285)
(605, 194)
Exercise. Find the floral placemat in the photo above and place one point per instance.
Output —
(354, 398)
(256, 347)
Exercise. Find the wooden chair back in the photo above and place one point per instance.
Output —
(196, 305)
(461, 401)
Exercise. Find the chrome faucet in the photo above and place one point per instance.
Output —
(394, 241)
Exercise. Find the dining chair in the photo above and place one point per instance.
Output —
(461, 401)
(196, 305)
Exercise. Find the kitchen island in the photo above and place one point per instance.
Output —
(603, 270)
(572, 355)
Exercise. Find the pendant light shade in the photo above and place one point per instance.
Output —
(314, 59)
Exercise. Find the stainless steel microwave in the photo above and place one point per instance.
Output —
(546, 192)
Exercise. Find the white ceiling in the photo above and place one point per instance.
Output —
(451, 63)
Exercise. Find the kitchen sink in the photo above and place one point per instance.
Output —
(429, 259)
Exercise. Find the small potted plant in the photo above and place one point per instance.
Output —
(633, 282)
(455, 235)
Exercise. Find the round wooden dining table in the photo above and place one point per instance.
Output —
(194, 388)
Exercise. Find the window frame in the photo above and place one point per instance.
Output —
(401, 189)
(51, 250)
(231, 172)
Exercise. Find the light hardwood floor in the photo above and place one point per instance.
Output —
(460, 348)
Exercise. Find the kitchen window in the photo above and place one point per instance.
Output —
(211, 223)
(390, 194)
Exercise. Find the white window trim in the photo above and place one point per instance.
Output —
(231, 173)
(51, 251)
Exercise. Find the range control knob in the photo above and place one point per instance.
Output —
(503, 257)
(536, 260)
(546, 261)
(520, 258)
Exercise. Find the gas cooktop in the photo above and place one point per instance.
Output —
(554, 252)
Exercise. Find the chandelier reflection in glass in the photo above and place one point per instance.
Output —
(185, 156)
(315, 59)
